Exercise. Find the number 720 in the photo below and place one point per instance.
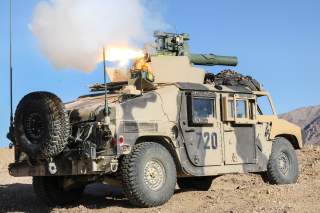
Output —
(208, 140)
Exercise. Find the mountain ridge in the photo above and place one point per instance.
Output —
(308, 118)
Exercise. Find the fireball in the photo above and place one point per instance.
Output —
(122, 55)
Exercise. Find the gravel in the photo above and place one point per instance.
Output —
(229, 193)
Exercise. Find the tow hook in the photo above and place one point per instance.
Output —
(126, 149)
(52, 167)
(114, 165)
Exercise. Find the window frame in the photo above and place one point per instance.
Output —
(190, 108)
(247, 98)
(226, 116)
(250, 101)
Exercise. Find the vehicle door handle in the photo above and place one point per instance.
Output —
(190, 130)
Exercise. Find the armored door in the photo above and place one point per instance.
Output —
(201, 128)
(239, 130)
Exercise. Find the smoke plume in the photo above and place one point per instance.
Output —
(71, 33)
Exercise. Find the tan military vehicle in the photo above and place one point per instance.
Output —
(166, 123)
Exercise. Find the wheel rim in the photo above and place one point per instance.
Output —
(34, 127)
(154, 175)
(284, 163)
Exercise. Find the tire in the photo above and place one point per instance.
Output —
(50, 191)
(283, 164)
(41, 125)
(141, 175)
(196, 183)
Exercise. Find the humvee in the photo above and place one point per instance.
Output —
(168, 123)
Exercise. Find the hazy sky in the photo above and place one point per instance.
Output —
(277, 42)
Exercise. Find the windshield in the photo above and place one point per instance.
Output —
(264, 106)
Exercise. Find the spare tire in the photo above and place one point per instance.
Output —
(41, 125)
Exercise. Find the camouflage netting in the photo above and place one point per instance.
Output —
(233, 78)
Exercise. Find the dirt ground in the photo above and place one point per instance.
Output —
(230, 193)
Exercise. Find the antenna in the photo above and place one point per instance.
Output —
(105, 82)
(10, 134)
(11, 69)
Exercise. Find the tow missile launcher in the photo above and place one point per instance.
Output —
(177, 45)
(172, 61)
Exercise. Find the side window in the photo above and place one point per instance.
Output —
(241, 106)
(239, 109)
(230, 109)
(203, 110)
(264, 106)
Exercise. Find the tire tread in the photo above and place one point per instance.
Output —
(129, 173)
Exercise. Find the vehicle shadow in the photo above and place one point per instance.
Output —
(21, 198)
(99, 196)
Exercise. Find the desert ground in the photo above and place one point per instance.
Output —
(229, 193)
